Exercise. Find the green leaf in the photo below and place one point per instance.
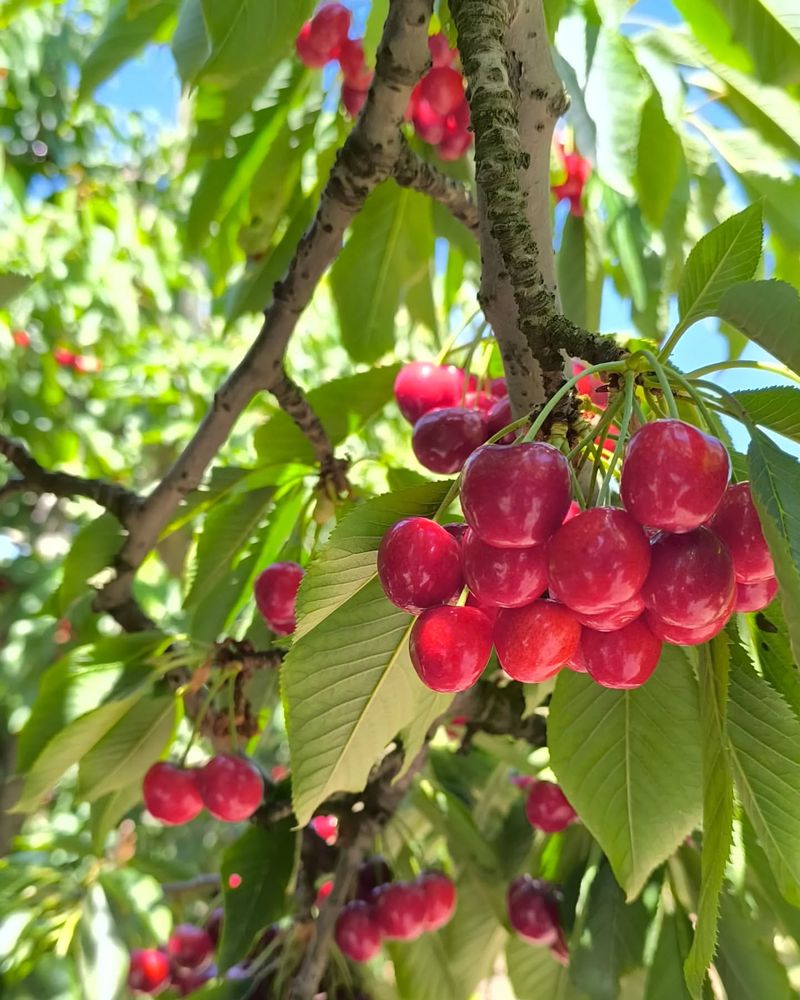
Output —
(92, 550)
(534, 972)
(770, 31)
(421, 970)
(767, 643)
(614, 755)
(109, 810)
(263, 858)
(190, 44)
(343, 405)
(665, 976)
(390, 249)
(474, 936)
(658, 162)
(768, 312)
(129, 748)
(776, 407)
(746, 962)
(727, 255)
(580, 272)
(12, 285)
(717, 806)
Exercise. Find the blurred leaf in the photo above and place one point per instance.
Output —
(535, 973)
(776, 407)
(102, 957)
(665, 977)
(770, 31)
(109, 810)
(12, 285)
(580, 272)
(769, 313)
(190, 45)
(658, 162)
(92, 550)
(746, 963)
(421, 970)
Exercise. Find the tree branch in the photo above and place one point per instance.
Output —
(412, 171)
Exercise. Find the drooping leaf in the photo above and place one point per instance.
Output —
(580, 272)
(746, 962)
(658, 161)
(769, 313)
(534, 972)
(776, 408)
(190, 45)
(665, 976)
(622, 744)
(92, 550)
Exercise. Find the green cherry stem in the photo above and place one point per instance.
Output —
(200, 717)
(663, 381)
(619, 448)
(555, 399)
(761, 366)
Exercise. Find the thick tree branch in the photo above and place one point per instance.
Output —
(412, 171)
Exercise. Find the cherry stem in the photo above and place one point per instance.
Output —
(663, 381)
(449, 346)
(234, 735)
(697, 399)
(597, 429)
(740, 413)
(729, 365)
(555, 399)
(619, 448)
(673, 339)
(198, 720)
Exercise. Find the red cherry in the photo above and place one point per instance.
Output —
(357, 933)
(680, 636)
(615, 618)
(21, 338)
(534, 642)
(329, 27)
(498, 388)
(148, 971)
(500, 416)
(755, 596)
(533, 910)
(190, 946)
(691, 580)
(454, 145)
(400, 910)
(490, 610)
(457, 529)
(440, 899)
(170, 793)
(439, 48)
(353, 100)
(572, 511)
(450, 647)
(673, 475)
(443, 88)
(323, 892)
(597, 560)
(428, 124)
(419, 565)
(351, 59)
(577, 662)
(590, 385)
(64, 357)
(515, 495)
(737, 523)
(372, 872)
(213, 924)
(622, 659)
(482, 401)
(444, 439)
(187, 981)
(547, 807)
(506, 578)
(275, 591)
(326, 828)
(307, 53)
(231, 787)
(458, 121)
(421, 387)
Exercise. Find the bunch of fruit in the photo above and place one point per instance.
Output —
(229, 786)
(438, 107)
(394, 911)
(185, 964)
(597, 590)
(324, 39)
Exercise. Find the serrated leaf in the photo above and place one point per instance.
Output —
(776, 407)
(580, 272)
(768, 312)
(767, 643)
(534, 973)
(714, 664)
(92, 550)
(727, 255)
(263, 858)
(614, 755)
(665, 976)
(746, 962)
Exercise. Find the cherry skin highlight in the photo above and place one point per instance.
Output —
(231, 787)
(623, 659)
(691, 580)
(505, 578)
(170, 793)
(440, 899)
(450, 647)
(755, 596)
(673, 475)
(148, 971)
(190, 946)
(737, 523)
(615, 618)
(419, 565)
(515, 495)
(357, 932)
(534, 642)
(444, 439)
(597, 560)
(400, 910)
(275, 591)
(547, 807)
(429, 126)
(422, 386)
(533, 910)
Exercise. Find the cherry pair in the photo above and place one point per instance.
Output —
(230, 787)
(325, 38)
(438, 107)
(185, 964)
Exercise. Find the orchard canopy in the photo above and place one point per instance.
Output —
(399, 499)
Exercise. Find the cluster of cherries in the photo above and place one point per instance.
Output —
(229, 786)
(392, 911)
(185, 964)
(325, 39)
(85, 364)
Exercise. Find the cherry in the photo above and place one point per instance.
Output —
(353, 64)
(323, 892)
(490, 610)
(450, 647)
(547, 807)
(615, 618)
(755, 596)
(533, 910)
(498, 386)
(21, 338)
(439, 48)
(479, 400)
(455, 142)
(307, 52)
(498, 417)
(401, 909)
(443, 88)
(572, 511)
(440, 899)
(428, 124)
(737, 523)
(622, 659)
(673, 475)
(457, 529)
(171, 794)
(190, 946)
(148, 971)
(577, 662)
(213, 924)
(597, 560)
(231, 787)
(444, 439)
(515, 495)
(357, 933)
(372, 872)
(353, 100)
(187, 981)
(326, 828)
(590, 385)
(275, 591)
(577, 170)
(691, 579)
(329, 27)
(64, 357)
(680, 636)
(421, 387)
(506, 578)
(419, 564)
(534, 642)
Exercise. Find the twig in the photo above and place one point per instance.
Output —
(412, 171)
(200, 883)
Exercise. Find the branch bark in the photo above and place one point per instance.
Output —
(412, 171)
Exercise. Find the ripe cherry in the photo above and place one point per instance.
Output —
(440, 899)
(681, 636)
(21, 338)
(275, 591)
(457, 529)
(615, 618)
(691, 580)
(353, 64)
(148, 971)
(673, 475)
(307, 52)
(755, 596)
(428, 124)
(231, 787)
(533, 910)
(170, 793)
(444, 439)
(622, 659)
(190, 946)
(490, 610)
(590, 385)
(421, 387)
(455, 142)
(326, 828)
(547, 807)
(506, 578)
(737, 523)
(323, 892)
(500, 416)
(329, 27)
(400, 910)
(597, 560)
(213, 924)
(534, 642)
(419, 564)
(372, 872)
(439, 48)
(443, 88)
(515, 495)
(357, 933)
(450, 647)
(577, 662)
(353, 100)
(498, 388)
